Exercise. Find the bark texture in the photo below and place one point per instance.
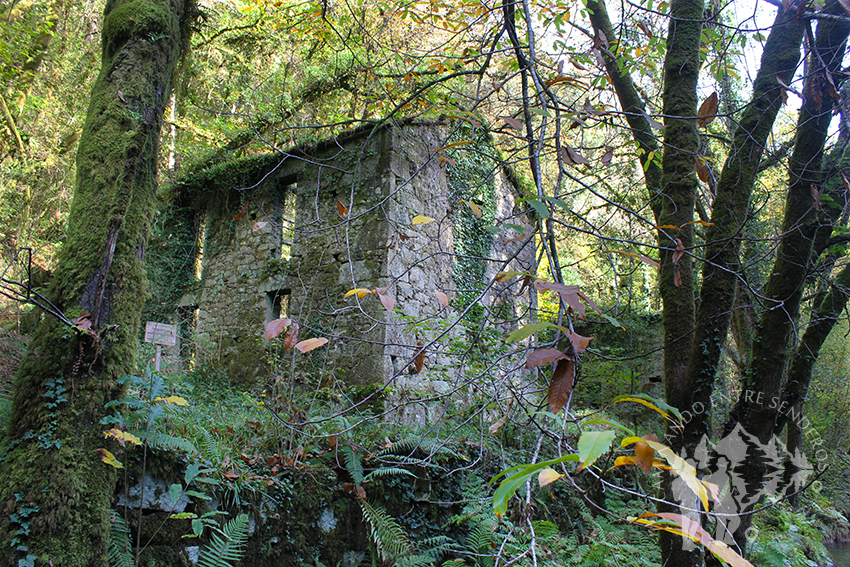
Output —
(804, 219)
(68, 374)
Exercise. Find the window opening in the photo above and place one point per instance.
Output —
(277, 304)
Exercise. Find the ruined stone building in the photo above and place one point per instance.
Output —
(421, 209)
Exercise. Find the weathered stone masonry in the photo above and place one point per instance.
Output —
(270, 241)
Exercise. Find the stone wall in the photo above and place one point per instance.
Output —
(274, 239)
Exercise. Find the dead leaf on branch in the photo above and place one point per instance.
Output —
(419, 359)
(815, 197)
(310, 344)
(644, 454)
(679, 252)
(512, 122)
(572, 157)
(276, 327)
(543, 356)
(707, 111)
(341, 209)
(494, 428)
(442, 298)
(241, 213)
(702, 170)
(291, 337)
(608, 156)
(561, 384)
(579, 342)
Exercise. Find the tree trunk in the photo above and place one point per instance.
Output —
(69, 373)
(802, 222)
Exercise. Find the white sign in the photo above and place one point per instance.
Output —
(160, 333)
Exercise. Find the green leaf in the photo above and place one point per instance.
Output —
(592, 445)
(511, 484)
(528, 330)
(183, 516)
(174, 493)
(197, 494)
(192, 471)
(610, 423)
(539, 207)
(197, 527)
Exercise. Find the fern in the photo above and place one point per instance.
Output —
(226, 548)
(120, 552)
(388, 471)
(166, 442)
(352, 463)
(389, 538)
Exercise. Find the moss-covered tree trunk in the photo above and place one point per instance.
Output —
(804, 220)
(52, 466)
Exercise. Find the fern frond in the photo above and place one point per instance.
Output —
(389, 538)
(352, 463)
(228, 547)
(387, 471)
(166, 442)
(454, 563)
(120, 551)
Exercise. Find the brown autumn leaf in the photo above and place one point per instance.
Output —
(600, 61)
(590, 109)
(702, 170)
(677, 277)
(310, 344)
(259, 226)
(707, 111)
(644, 454)
(680, 251)
(572, 157)
(341, 209)
(815, 197)
(494, 428)
(387, 301)
(241, 213)
(543, 356)
(419, 359)
(608, 156)
(347, 487)
(579, 342)
(561, 385)
(291, 337)
(844, 177)
(231, 475)
(512, 122)
(517, 238)
(526, 281)
(442, 298)
(653, 122)
(361, 492)
(276, 327)
(645, 29)
(569, 293)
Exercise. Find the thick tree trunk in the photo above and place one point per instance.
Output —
(678, 195)
(802, 222)
(68, 374)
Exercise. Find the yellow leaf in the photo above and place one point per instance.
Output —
(361, 292)
(680, 466)
(476, 210)
(421, 219)
(122, 436)
(176, 400)
(548, 476)
(109, 459)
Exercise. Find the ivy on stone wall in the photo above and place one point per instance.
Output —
(471, 178)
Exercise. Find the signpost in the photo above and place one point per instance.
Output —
(160, 334)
